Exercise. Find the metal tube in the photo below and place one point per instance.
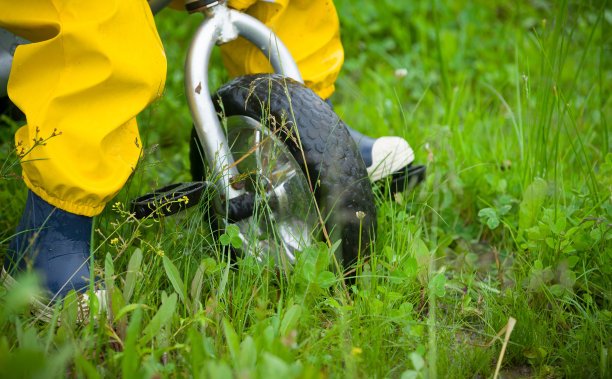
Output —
(8, 44)
(261, 36)
(221, 26)
(207, 125)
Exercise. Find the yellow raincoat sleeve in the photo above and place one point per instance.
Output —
(92, 67)
(309, 28)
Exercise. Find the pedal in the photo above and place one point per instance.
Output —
(169, 200)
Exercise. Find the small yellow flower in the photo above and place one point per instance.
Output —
(160, 252)
(356, 350)
(185, 199)
(114, 241)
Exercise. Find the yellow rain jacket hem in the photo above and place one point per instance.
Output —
(69, 206)
(90, 69)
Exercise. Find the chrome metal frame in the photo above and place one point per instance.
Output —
(8, 44)
(223, 25)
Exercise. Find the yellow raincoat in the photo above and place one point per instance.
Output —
(93, 66)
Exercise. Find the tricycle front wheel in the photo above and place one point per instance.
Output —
(318, 143)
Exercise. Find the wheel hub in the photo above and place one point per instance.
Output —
(284, 215)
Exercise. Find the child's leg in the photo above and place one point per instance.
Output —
(90, 69)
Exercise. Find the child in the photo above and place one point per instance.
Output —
(88, 72)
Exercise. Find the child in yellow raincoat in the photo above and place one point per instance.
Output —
(90, 69)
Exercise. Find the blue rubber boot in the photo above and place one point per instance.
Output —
(56, 245)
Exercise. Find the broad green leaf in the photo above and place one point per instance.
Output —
(595, 234)
(196, 284)
(290, 319)
(129, 308)
(248, 353)
(437, 284)
(493, 223)
(161, 318)
(489, 216)
(531, 205)
(131, 357)
(572, 260)
(233, 230)
(557, 290)
(224, 239)
(409, 374)
(324, 259)
(538, 265)
(70, 310)
(411, 266)
(197, 355)
(417, 361)
(334, 247)
(406, 308)
(325, 279)
(236, 242)
(18, 299)
(175, 279)
(219, 370)
(273, 367)
(309, 270)
(423, 257)
(533, 352)
(116, 298)
(233, 342)
(559, 226)
(504, 209)
(132, 272)
(567, 278)
(487, 212)
(88, 369)
(109, 272)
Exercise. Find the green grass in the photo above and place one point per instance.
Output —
(508, 104)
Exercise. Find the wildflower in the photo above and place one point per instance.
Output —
(114, 241)
(356, 350)
(160, 252)
(360, 214)
(400, 73)
(185, 199)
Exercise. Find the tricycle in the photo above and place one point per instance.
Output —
(271, 156)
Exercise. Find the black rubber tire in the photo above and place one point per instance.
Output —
(336, 169)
